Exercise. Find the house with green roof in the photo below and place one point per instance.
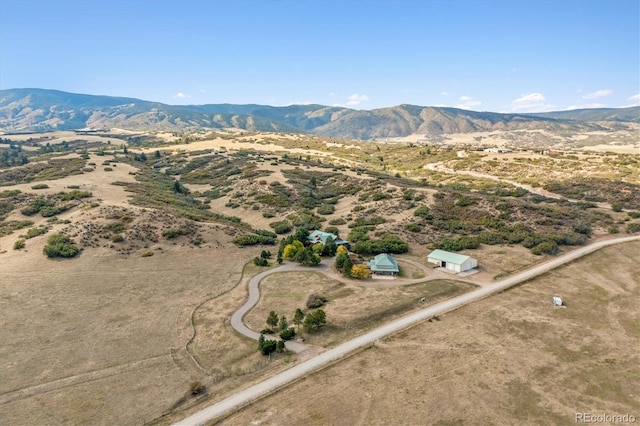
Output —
(316, 237)
(452, 261)
(383, 264)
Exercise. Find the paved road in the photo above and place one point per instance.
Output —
(250, 394)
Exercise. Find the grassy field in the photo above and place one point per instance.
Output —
(91, 338)
(351, 310)
(511, 359)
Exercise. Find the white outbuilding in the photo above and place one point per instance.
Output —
(452, 261)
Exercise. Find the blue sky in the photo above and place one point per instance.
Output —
(504, 56)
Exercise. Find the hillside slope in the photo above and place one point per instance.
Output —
(28, 110)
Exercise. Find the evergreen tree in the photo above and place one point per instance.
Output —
(298, 317)
(272, 319)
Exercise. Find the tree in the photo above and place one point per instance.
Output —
(280, 346)
(284, 324)
(318, 248)
(307, 257)
(157, 154)
(346, 267)
(279, 259)
(267, 347)
(359, 271)
(298, 317)
(315, 320)
(340, 260)
(342, 250)
(292, 249)
(330, 247)
(265, 254)
(272, 319)
(301, 234)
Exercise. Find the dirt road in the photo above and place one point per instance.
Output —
(254, 392)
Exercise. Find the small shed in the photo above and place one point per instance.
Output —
(452, 261)
(557, 301)
(383, 264)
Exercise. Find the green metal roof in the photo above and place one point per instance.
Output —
(447, 256)
(383, 263)
(320, 236)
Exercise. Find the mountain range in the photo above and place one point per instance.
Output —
(36, 110)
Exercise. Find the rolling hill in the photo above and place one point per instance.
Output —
(29, 110)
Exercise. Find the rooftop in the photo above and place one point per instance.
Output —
(321, 237)
(447, 256)
(383, 263)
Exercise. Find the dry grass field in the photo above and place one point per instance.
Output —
(351, 309)
(510, 359)
(112, 337)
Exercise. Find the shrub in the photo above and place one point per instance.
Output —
(282, 227)
(60, 245)
(259, 261)
(115, 227)
(423, 212)
(35, 231)
(173, 232)
(325, 209)
(338, 221)
(359, 271)
(332, 230)
(40, 186)
(147, 253)
(18, 245)
(545, 247)
(197, 388)
(288, 334)
(117, 238)
(266, 347)
(413, 227)
(75, 195)
(634, 215)
(253, 239)
(460, 243)
(108, 169)
(267, 331)
(632, 228)
(316, 301)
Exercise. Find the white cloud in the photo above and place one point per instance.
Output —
(439, 105)
(583, 106)
(635, 101)
(180, 95)
(579, 91)
(597, 94)
(445, 93)
(468, 102)
(532, 102)
(357, 99)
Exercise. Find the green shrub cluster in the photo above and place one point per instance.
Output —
(60, 245)
(175, 232)
(386, 244)
(254, 239)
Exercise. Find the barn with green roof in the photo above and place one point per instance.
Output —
(452, 261)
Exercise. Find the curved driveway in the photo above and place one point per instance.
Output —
(251, 393)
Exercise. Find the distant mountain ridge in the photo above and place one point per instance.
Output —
(26, 110)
